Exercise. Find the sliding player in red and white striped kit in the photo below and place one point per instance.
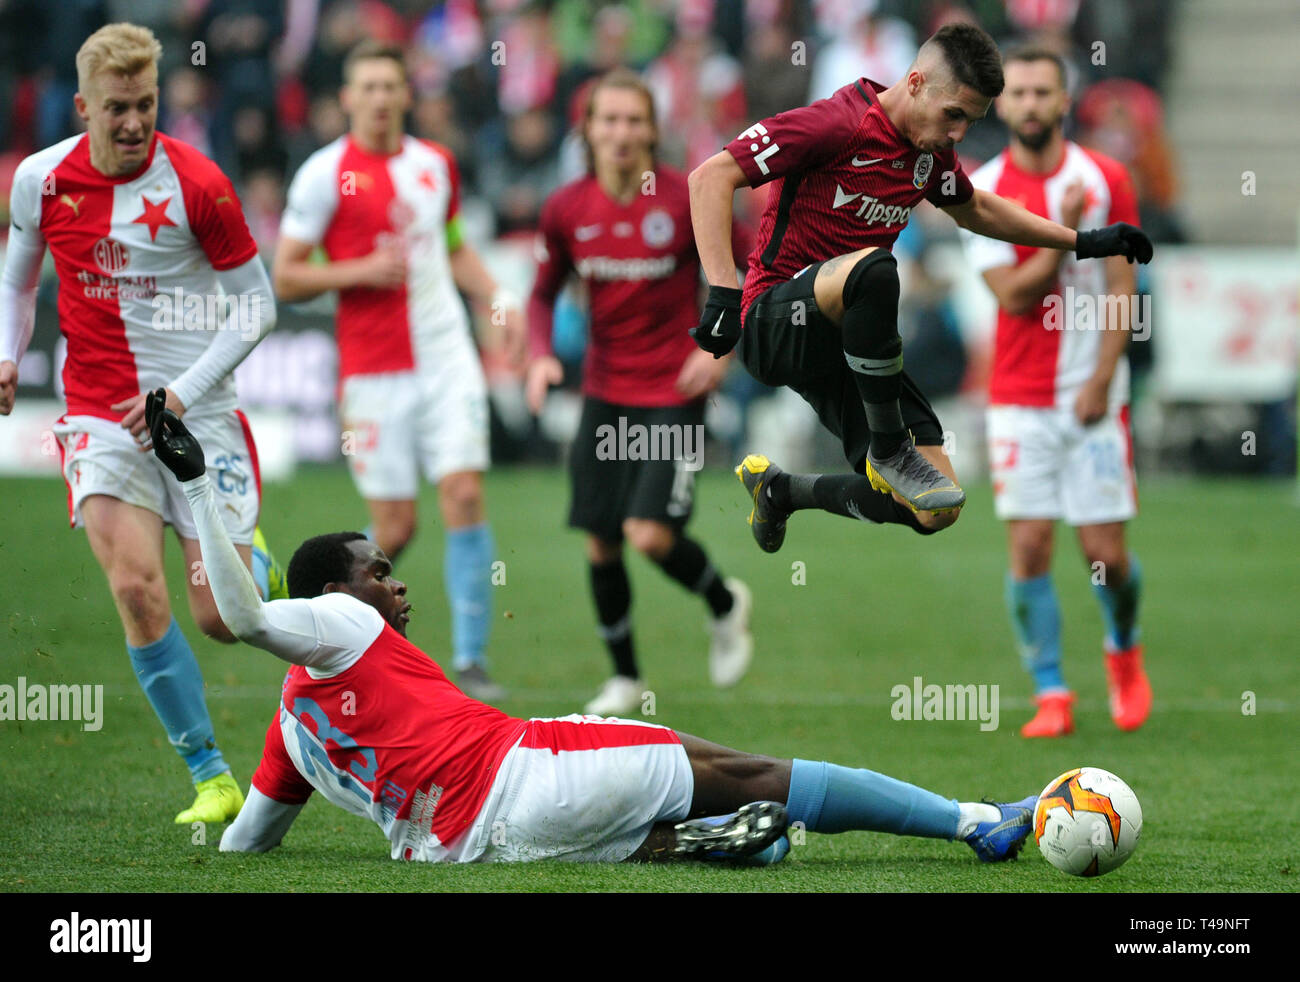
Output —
(373, 724)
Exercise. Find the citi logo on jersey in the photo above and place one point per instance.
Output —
(871, 210)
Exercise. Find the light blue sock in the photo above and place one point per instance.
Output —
(467, 576)
(170, 677)
(830, 798)
(1119, 607)
(262, 573)
(1036, 617)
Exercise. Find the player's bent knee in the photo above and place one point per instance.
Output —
(875, 275)
(141, 597)
(650, 538)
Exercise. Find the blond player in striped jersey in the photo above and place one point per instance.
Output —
(151, 248)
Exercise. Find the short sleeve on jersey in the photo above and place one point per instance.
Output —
(312, 199)
(453, 175)
(797, 139)
(215, 213)
(276, 777)
(1123, 199)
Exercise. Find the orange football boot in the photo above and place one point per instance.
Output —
(1130, 692)
(1054, 717)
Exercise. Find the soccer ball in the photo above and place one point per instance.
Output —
(1087, 822)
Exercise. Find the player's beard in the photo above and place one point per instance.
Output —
(1035, 141)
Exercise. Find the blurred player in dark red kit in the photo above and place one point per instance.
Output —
(625, 230)
(819, 311)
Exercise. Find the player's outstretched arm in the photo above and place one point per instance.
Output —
(290, 629)
(985, 213)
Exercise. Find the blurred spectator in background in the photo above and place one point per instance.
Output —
(576, 21)
(237, 37)
(777, 71)
(1124, 119)
(698, 90)
(516, 176)
(185, 115)
(67, 25)
(263, 200)
(862, 43)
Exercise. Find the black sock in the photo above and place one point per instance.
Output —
(613, 593)
(869, 333)
(688, 565)
(850, 495)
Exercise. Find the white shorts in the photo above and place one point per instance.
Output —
(99, 457)
(583, 789)
(398, 422)
(1046, 464)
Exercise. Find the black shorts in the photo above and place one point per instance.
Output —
(787, 341)
(631, 462)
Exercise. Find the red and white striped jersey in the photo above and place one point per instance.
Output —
(375, 726)
(120, 244)
(352, 201)
(1042, 360)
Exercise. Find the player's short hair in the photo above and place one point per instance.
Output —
(1037, 52)
(321, 559)
(123, 49)
(972, 56)
(369, 50)
(617, 78)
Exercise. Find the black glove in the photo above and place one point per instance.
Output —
(1120, 239)
(719, 327)
(173, 444)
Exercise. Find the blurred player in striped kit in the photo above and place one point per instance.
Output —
(625, 230)
(1058, 422)
(384, 207)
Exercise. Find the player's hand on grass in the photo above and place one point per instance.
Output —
(1073, 200)
(383, 269)
(701, 374)
(1120, 239)
(135, 420)
(173, 443)
(719, 327)
(8, 386)
(1091, 403)
(542, 374)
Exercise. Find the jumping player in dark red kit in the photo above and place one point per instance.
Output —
(625, 230)
(819, 309)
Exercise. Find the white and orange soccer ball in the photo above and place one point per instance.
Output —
(1087, 822)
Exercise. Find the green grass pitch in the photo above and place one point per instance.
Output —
(843, 614)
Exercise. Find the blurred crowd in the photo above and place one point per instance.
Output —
(254, 83)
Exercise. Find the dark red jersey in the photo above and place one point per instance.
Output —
(845, 179)
(642, 273)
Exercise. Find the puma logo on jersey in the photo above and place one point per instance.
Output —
(74, 205)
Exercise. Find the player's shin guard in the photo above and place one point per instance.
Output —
(1036, 617)
(850, 495)
(826, 797)
(687, 563)
(467, 575)
(1119, 606)
(612, 592)
(872, 347)
(170, 677)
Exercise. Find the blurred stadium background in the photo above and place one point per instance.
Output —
(1196, 97)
